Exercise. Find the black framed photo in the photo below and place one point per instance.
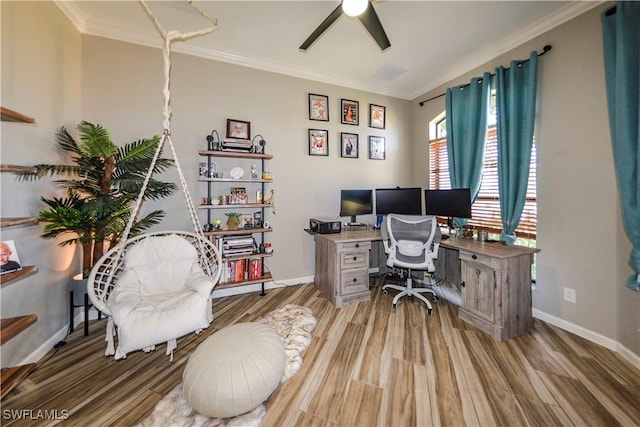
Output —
(377, 149)
(318, 142)
(349, 145)
(350, 112)
(238, 129)
(377, 116)
(318, 107)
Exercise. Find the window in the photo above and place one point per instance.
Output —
(486, 209)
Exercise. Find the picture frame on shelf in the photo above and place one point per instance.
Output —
(9, 259)
(318, 142)
(349, 112)
(377, 116)
(246, 221)
(349, 145)
(318, 107)
(238, 129)
(377, 149)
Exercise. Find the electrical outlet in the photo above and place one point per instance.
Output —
(570, 295)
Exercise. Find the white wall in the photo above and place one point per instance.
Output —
(579, 223)
(41, 71)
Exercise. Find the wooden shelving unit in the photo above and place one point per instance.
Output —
(17, 168)
(13, 376)
(218, 236)
(14, 276)
(8, 115)
(13, 222)
(12, 326)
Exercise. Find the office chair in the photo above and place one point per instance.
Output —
(413, 243)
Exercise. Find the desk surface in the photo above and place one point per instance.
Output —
(493, 249)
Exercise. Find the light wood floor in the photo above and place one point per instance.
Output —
(368, 365)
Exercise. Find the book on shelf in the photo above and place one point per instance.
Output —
(241, 269)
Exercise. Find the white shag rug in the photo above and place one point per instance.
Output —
(293, 323)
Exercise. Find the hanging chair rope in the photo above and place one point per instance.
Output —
(169, 37)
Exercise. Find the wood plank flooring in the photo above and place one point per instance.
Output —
(368, 365)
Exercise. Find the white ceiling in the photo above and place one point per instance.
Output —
(431, 41)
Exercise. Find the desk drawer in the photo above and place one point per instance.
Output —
(353, 246)
(354, 280)
(354, 259)
(477, 258)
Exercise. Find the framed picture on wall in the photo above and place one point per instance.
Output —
(350, 111)
(377, 115)
(318, 142)
(349, 145)
(238, 129)
(376, 148)
(318, 107)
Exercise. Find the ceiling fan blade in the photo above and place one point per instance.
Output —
(371, 22)
(322, 27)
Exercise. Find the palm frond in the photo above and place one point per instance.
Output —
(96, 141)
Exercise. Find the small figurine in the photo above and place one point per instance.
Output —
(217, 224)
(254, 172)
(233, 220)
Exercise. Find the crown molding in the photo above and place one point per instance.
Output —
(88, 27)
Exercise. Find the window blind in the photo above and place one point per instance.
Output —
(486, 209)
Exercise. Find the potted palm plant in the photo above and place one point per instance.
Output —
(102, 184)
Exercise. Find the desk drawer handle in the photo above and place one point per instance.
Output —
(355, 258)
(463, 284)
(355, 280)
(357, 245)
(474, 256)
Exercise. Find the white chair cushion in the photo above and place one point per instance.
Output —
(163, 294)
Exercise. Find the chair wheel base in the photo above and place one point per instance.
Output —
(385, 291)
(395, 305)
(429, 311)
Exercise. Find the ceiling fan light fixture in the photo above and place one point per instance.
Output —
(354, 7)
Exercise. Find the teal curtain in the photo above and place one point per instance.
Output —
(516, 106)
(621, 36)
(466, 109)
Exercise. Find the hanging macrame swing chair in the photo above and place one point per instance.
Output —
(157, 286)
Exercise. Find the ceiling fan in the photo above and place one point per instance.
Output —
(364, 10)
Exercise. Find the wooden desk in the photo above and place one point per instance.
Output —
(495, 279)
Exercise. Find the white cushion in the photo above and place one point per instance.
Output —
(234, 370)
(162, 295)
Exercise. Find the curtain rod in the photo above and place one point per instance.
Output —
(545, 49)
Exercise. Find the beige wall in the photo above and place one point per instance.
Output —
(41, 71)
(122, 90)
(579, 223)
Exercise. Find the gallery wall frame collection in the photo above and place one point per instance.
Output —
(318, 139)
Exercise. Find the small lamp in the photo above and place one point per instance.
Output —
(213, 141)
(354, 7)
(259, 147)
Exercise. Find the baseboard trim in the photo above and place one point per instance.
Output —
(587, 334)
(257, 287)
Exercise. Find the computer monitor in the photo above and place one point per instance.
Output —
(454, 203)
(356, 202)
(405, 201)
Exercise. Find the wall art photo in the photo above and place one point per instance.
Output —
(349, 145)
(318, 107)
(9, 260)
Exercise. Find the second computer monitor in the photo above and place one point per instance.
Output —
(405, 201)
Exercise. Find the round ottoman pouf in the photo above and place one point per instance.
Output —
(234, 370)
